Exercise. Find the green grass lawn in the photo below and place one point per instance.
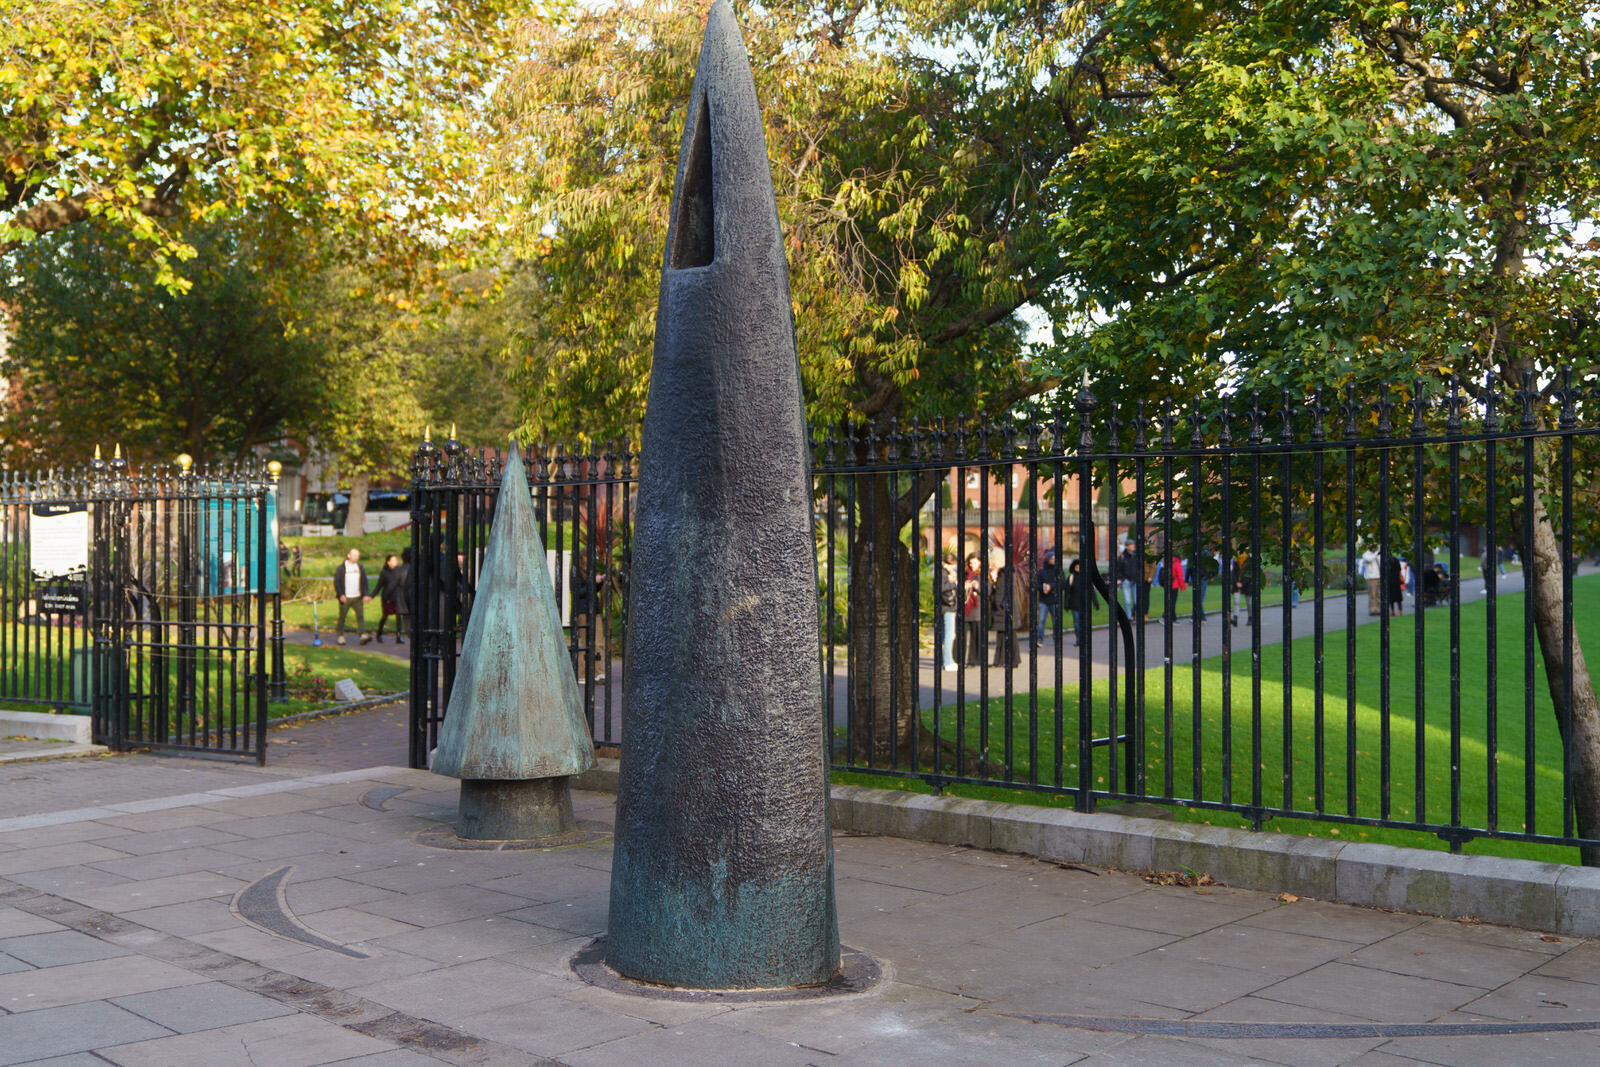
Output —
(319, 557)
(1358, 739)
(311, 674)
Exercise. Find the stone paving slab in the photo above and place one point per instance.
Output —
(123, 937)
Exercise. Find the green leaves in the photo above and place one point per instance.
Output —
(1349, 188)
(913, 231)
(355, 119)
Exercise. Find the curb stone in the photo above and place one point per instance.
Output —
(1549, 897)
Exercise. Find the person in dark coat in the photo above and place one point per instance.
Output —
(403, 580)
(1394, 585)
(1128, 573)
(1008, 603)
(1080, 599)
(589, 623)
(1048, 587)
(392, 592)
(1249, 585)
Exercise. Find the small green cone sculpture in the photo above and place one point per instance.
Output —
(514, 731)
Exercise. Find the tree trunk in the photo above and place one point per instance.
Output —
(883, 631)
(355, 522)
(1580, 734)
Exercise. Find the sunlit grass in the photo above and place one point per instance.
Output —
(1242, 757)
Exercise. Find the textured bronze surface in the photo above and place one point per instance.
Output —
(723, 873)
(514, 710)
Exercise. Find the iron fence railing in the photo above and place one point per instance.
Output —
(1329, 607)
(143, 599)
(581, 501)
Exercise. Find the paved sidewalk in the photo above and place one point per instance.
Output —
(170, 911)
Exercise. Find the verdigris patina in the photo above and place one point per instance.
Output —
(723, 870)
(514, 730)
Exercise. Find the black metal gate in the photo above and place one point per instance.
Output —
(583, 502)
(143, 601)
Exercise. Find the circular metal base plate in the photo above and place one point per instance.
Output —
(445, 837)
(858, 973)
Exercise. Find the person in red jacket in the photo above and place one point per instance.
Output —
(1172, 584)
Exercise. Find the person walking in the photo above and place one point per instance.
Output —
(1173, 584)
(1129, 575)
(1007, 610)
(947, 592)
(1372, 574)
(972, 608)
(1080, 591)
(390, 594)
(1240, 597)
(1202, 572)
(1249, 586)
(350, 586)
(402, 580)
(1394, 581)
(1048, 586)
(589, 616)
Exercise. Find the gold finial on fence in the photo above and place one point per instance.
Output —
(185, 461)
(274, 469)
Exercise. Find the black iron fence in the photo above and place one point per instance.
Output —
(143, 599)
(1351, 608)
(582, 501)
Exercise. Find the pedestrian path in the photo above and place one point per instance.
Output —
(169, 911)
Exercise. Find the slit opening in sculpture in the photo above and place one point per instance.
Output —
(694, 243)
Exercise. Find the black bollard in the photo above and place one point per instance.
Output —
(723, 870)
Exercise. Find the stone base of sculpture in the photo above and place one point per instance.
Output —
(515, 810)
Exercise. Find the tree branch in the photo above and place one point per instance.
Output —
(51, 215)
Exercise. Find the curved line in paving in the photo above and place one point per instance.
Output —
(263, 905)
(378, 797)
(1280, 1031)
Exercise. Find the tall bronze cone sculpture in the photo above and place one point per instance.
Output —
(723, 871)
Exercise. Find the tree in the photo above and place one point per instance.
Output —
(470, 340)
(1205, 198)
(912, 199)
(353, 117)
(107, 355)
(1286, 195)
(396, 365)
(237, 358)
